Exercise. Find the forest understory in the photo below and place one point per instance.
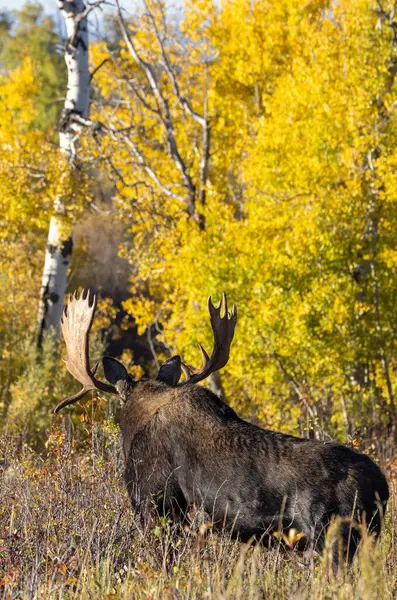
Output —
(68, 531)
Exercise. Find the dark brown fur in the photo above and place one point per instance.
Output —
(184, 446)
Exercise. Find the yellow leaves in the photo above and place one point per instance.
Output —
(296, 111)
(32, 171)
(144, 311)
(199, 14)
(389, 258)
(24, 155)
(32, 175)
(16, 106)
(290, 538)
(105, 314)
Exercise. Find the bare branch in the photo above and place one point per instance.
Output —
(378, 2)
(205, 157)
(141, 99)
(170, 72)
(164, 115)
(294, 385)
(151, 346)
(130, 83)
(146, 67)
(142, 162)
(138, 155)
(95, 71)
(89, 9)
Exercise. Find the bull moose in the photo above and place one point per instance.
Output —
(184, 446)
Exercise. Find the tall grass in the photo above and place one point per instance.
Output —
(68, 532)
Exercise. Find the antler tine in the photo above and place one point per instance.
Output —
(204, 355)
(186, 370)
(223, 329)
(76, 323)
(70, 400)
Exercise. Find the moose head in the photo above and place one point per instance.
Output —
(141, 399)
(76, 323)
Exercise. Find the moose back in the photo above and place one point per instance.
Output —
(184, 446)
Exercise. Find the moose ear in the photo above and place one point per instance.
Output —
(170, 372)
(117, 375)
(114, 370)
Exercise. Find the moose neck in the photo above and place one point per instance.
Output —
(144, 400)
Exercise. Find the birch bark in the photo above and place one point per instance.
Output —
(75, 111)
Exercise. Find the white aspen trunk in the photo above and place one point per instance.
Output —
(59, 248)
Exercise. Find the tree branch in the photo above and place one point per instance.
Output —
(205, 157)
(171, 75)
(164, 114)
(294, 385)
(95, 71)
(142, 162)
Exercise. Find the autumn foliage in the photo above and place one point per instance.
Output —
(261, 162)
(298, 218)
(246, 147)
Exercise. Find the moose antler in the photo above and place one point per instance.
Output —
(76, 323)
(223, 329)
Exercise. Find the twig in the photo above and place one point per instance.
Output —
(105, 60)
(151, 346)
(164, 115)
(170, 72)
(205, 157)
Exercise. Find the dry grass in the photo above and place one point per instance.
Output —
(67, 531)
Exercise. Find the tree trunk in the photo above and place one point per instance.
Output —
(75, 112)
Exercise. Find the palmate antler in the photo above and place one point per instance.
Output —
(223, 329)
(76, 323)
